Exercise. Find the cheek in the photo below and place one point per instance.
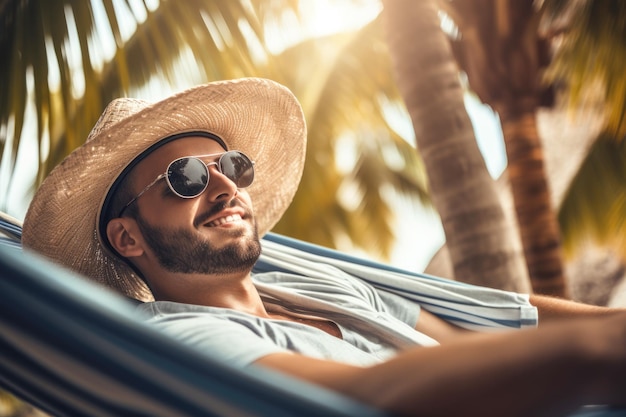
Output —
(168, 210)
(245, 198)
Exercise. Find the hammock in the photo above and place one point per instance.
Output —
(70, 347)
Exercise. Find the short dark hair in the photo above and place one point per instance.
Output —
(117, 201)
(123, 194)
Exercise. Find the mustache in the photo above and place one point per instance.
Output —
(222, 205)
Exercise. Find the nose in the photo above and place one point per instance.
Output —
(220, 186)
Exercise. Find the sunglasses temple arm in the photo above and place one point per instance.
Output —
(160, 177)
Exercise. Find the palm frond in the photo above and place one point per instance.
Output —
(346, 96)
(590, 60)
(594, 207)
(55, 58)
(83, 54)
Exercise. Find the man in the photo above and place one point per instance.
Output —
(167, 201)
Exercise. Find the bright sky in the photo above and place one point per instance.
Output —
(325, 17)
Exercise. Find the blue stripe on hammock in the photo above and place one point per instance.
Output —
(332, 253)
(451, 300)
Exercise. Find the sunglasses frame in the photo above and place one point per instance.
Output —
(206, 165)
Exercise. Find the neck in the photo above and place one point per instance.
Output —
(235, 291)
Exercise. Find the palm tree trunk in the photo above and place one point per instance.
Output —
(479, 238)
(503, 57)
(538, 225)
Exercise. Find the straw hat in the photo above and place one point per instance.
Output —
(256, 116)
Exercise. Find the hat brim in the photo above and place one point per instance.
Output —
(256, 116)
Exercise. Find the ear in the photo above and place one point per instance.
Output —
(124, 236)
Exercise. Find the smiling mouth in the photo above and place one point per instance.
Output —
(224, 220)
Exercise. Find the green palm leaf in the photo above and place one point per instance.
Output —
(591, 55)
(347, 95)
(70, 58)
(594, 208)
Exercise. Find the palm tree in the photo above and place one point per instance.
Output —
(502, 54)
(589, 61)
(478, 236)
(504, 50)
(212, 44)
(345, 104)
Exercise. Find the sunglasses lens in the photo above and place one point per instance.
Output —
(238, 168)
(188, 177)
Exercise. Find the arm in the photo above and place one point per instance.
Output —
(546, 371)
(551, 309)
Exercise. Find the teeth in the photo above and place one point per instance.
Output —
(223, 220)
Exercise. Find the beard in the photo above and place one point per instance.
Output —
(180, 250)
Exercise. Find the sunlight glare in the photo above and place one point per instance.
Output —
(103, 34)
(345, 153)
(254, 45)
(7, 131)
(138, 10)
(397, 118)
(125, 20)
(73, 52)
(152, 5)
(322, 18)
(54, 75)
(213, 31)
(16, 196)
(325, 17)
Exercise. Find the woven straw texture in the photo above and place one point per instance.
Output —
(257, 116)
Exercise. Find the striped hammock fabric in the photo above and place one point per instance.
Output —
(468, 306)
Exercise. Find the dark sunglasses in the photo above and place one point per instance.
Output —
(188, 176)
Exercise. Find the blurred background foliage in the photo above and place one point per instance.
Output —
(65, 60)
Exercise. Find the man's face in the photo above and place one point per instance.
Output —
(214, 233)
